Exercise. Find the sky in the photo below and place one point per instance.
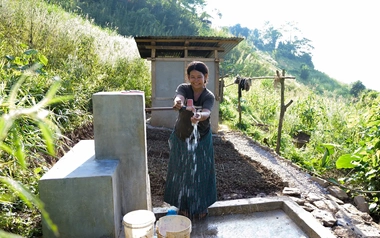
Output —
(345, 34)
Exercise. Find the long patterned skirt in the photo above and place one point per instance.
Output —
(191, 182)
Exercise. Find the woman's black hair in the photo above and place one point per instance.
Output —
(198, 66)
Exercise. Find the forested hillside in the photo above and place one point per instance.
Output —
(56, 54)
(268, 45)
(140, 18)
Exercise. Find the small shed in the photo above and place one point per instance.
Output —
(169, 56)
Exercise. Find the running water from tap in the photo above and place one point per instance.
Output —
(192, 141)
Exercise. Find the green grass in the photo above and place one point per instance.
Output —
(327, 120)
(84, 59)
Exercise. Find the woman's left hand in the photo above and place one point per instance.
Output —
(196, 118)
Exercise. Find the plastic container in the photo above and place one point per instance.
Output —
(173, 226)
(172, 211)
(189, 102)
(139, 223)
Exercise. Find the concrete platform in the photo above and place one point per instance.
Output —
(79, 189)
(257, 217)
(268, 224)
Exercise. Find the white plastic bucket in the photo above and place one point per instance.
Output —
(139, 223)
(173, 226)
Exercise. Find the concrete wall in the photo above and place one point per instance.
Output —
(167, 75)
(120, 132)
(89, 190)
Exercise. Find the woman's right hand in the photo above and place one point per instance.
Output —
(177, 104)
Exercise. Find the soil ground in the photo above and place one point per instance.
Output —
(237, 176)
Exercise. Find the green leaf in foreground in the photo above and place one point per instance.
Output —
(48, 136)
(29, 199)
(345, 161)
(4, 234)
(43, 59)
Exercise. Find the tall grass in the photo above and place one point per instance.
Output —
(85, 59)
(344, 143)
(327, 120)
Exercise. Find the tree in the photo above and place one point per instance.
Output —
(357, 88)
(304, 72)
(286, 50)
(256, 38)
(237, 30)
(158, 17)
(306, 59)
(271, 37)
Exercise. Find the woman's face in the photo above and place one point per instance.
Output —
(197, 79)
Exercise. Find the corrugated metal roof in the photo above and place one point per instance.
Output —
(176, 46)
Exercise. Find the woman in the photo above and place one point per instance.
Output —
(190, 182)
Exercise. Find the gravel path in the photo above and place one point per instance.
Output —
(293, 175)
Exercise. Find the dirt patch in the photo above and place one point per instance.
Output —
(237, 176)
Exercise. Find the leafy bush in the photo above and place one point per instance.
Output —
(70, 57)
(26, 131)
(336, 127)
(364, 162)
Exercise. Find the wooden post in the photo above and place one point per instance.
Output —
(281, 79)
(278, 78)
(239, 105)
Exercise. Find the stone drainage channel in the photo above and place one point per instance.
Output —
(255, 217)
